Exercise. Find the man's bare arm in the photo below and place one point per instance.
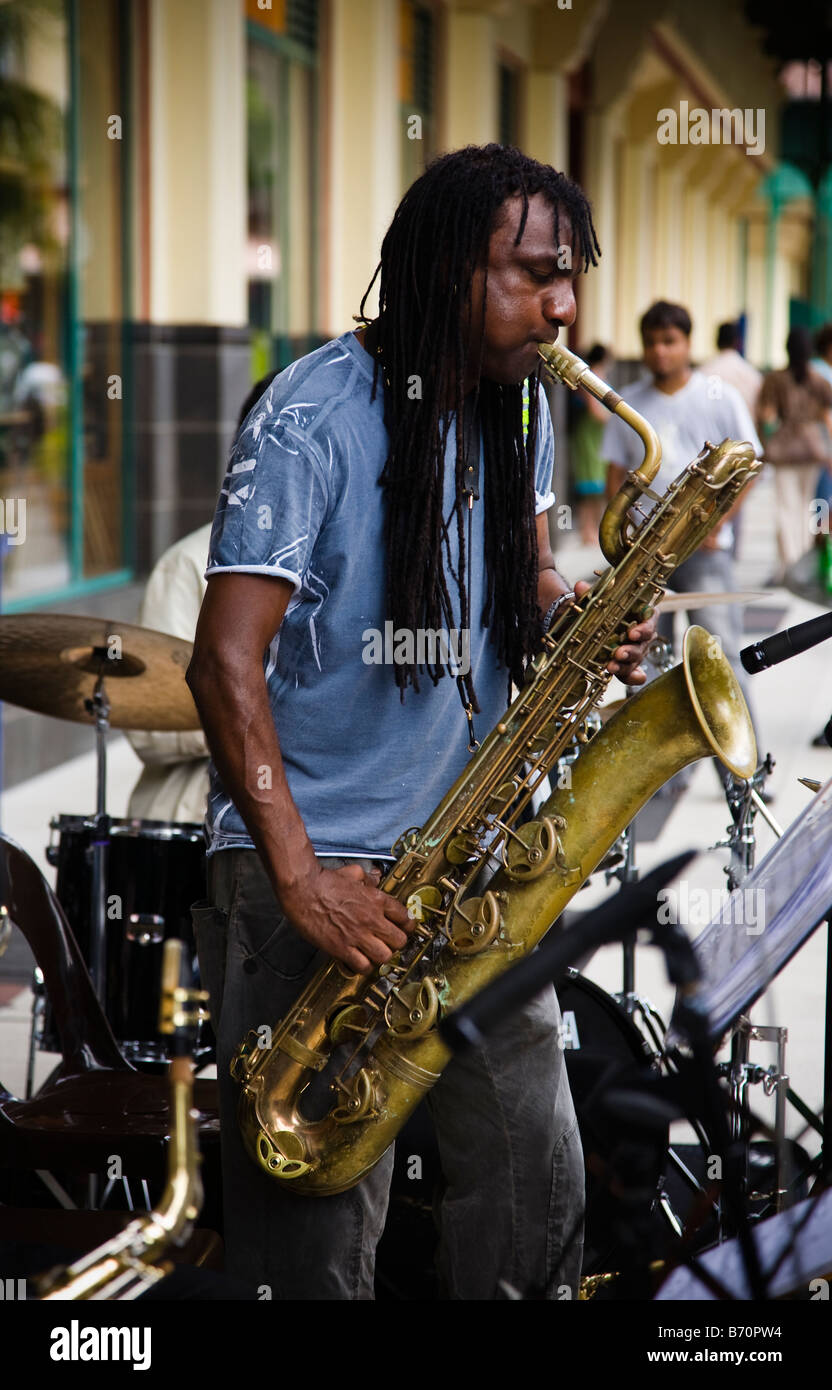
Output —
(340, 911)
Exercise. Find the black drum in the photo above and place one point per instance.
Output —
(625, 1146)
(155, 870)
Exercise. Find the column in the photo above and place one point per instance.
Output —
(363, 136)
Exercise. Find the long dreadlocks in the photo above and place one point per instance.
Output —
(437, 240)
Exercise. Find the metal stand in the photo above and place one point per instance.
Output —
(826, 1138)
(742, 1074)
(744, 802)
(628, 873)
(99, 708)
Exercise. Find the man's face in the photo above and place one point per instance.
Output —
(666, 352)
(529, 296)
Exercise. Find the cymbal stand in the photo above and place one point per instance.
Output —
(99, 707)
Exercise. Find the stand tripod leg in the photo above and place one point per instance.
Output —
(826, 1142)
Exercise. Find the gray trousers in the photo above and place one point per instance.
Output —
(505, 1123)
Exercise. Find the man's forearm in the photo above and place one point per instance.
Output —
(550, 585)
(238, 724)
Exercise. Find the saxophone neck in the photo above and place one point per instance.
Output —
(567, 367)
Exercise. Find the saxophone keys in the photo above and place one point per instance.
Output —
(424, 901)
(460, 848)
(475, 925)
(348, 1024)
(532, 850)
(412, 1010)
(358, 1098)
(504, 795)
(407, 841)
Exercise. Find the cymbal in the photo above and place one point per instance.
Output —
(672, 602)
(49, 663)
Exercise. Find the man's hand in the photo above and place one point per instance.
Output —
(625, 660)
(342, 912)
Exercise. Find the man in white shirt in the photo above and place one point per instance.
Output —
(730, 365)
(685, 407)
(174, 782)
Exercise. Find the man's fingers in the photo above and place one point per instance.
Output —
(377, 950)
(393, 935)
(351, 871)
(396, 912)
(356, 961)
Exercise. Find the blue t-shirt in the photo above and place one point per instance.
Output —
(301, 501)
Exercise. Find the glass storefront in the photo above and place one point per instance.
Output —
(417, 61)
(34, 282)
(61, 298)
(281, 96)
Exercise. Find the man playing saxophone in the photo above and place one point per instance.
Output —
(357, 519)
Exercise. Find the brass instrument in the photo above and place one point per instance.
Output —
(369, 1044)
(123, 1267)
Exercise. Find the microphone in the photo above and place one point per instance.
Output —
(620, 916)
(760, 655)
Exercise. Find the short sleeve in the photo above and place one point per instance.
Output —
(544, 497)
(273, 503)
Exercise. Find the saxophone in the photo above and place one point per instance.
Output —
(327, 1089)
(126, 1266)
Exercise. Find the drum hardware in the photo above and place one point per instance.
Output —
(155, 871)
(740, 1074)
(99, 707)
(794, 881)
(744, 802)
(119, 676)
(145, 928)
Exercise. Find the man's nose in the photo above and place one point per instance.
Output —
(559, 307)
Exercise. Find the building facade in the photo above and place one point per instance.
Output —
(196, 191)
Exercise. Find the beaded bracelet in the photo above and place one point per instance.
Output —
(554, 607)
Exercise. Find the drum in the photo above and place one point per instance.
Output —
(608, 1060)
(155, 870)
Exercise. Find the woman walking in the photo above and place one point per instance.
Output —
(795, 405)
